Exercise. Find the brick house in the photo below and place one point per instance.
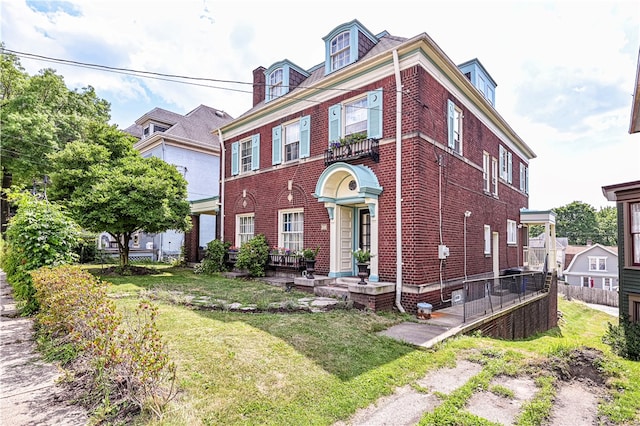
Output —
(387, 146)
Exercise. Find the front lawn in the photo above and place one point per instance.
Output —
(318, 368)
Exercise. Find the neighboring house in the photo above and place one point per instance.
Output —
(187, 142)
(387, 146)
(627, 198)
(595, 266)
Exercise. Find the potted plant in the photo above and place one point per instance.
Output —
(309, 256)
(362, 258)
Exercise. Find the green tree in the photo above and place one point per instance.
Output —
(40, 234)
(39, 115)
(607, 220)
(109, 187)
(577, 221)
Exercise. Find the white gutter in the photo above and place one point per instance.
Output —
(222, 168)
(396, 67)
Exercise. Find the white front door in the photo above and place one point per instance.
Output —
(345, 262)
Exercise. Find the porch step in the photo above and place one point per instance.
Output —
(345, 281)
(337, 292)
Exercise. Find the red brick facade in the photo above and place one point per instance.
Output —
(435, 183)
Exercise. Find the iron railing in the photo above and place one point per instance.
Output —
(365, 148)
(486, 295)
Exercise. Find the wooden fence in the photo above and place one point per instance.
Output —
(589, 295)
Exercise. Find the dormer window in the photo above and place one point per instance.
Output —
(340, 50)
(276, 87)
(346, 44)
(281, 78)
(146, 131)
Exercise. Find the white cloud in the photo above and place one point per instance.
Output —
(565, 69)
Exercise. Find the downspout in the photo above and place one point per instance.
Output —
(222, 168)
(396, 67)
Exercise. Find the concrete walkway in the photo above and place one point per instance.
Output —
(28, 391)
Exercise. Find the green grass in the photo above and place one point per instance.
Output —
(317, 368)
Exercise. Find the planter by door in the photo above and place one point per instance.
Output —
(311, 268)
(363, 272)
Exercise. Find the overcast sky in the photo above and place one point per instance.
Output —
(565, 69)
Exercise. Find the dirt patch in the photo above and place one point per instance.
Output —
(580, 390)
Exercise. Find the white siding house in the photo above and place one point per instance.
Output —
(594, 267)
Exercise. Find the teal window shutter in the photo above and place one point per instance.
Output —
(276, 145)
(374, 114)
(335, 114)
(255, 152)
(305, 136)
(234, 158)
(450, 117)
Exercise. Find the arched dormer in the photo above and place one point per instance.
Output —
(346, 44)
(281, 78)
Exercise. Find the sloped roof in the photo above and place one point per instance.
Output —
(317, 72)
(578, 251)
(196, 126)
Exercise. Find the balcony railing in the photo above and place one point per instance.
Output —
(275, 260)
(365, 148)
(483, 296)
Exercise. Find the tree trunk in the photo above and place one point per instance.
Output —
(5, 209)
(123, 248)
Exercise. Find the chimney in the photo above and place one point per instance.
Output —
(259, 83)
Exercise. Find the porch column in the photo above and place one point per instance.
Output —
(374, 262)
(333, 239)
(192, 240)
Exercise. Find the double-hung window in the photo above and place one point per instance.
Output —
(340, 50)
(362, 115)
(276, 85)
(506, 166)
(454, 122)
(291, 226)
(290, 141)
(486, 172)
(244, 228)
(487, 240)
(597, 263)
(245, 155)
(634, 230)
(524, 178)
(512, 232)
(586, 282)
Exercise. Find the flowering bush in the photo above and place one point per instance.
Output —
(362, 256)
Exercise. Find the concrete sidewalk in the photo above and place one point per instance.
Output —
(443, 324)
(28, 391)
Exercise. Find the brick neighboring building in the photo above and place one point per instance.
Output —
(432, 148)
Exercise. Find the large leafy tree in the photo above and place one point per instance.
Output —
(577, 221)
(39, 115)
(109, 187)
(607, 220)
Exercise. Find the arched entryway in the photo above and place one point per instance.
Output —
(350, 194)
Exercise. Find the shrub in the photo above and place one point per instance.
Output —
(87, 248)
(253, 256)
(125, 360)
(40, 234)
(214, 258)
(624, 338)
